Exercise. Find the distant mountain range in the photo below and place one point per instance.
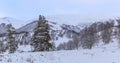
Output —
(58, 31)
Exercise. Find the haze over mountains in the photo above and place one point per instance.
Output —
(60, 19)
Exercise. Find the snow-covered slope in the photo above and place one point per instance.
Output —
(103, 54)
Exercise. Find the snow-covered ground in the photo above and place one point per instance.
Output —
(101, 54)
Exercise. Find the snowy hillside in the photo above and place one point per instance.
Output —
(100, 54)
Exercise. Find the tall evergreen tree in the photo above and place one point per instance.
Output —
(2, 48)
(41, 36)
(12, 44)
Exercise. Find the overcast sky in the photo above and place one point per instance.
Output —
(28, 9)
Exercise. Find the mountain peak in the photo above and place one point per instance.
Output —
(9, 20)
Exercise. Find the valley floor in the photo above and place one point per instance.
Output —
(95, 55)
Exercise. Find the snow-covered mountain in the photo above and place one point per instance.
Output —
(9, 20)
(15, 22)
(59, 19)
(58, 31)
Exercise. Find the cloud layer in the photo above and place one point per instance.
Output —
(31, 8)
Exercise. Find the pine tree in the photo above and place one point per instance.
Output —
(2, 48)
(41, 36)
(12, 44)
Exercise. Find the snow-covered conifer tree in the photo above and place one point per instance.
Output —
(41, 36)
(12, 44)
